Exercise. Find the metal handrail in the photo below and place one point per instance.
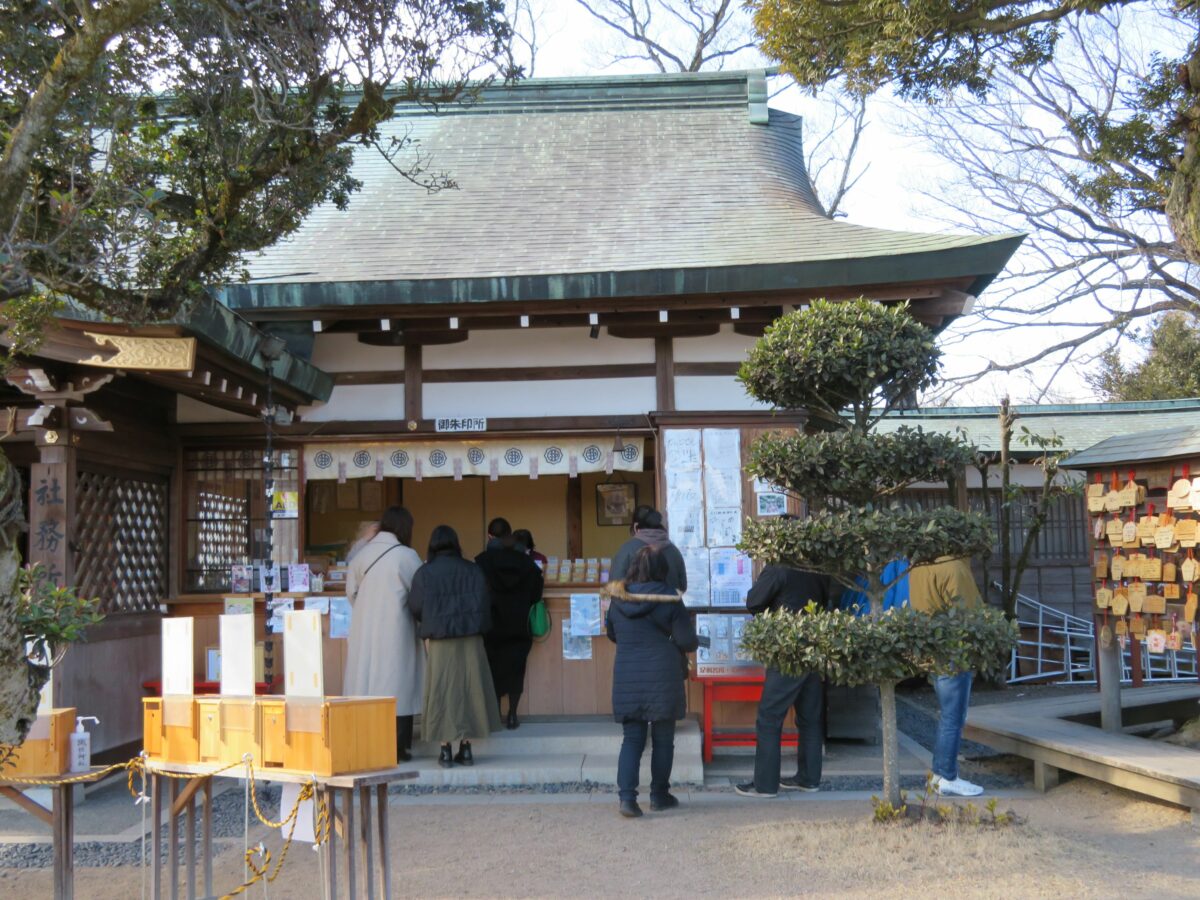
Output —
(1062, 649)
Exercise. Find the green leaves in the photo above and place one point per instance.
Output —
(856, 467)
(856, 650)
(50, 617)
(843, 362)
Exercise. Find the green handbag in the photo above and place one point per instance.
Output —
(539, 620)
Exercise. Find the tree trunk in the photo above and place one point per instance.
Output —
(1183, 200)
(20, 682)
(891, 744)
(1007, 594)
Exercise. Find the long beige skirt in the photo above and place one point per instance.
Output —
(460, 699)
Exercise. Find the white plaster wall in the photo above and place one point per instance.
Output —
(712, 392)
(345, 353)
(188, 410)
(537, 347)
(358, 403)
(1023, 475)
(726, 346)
(585, 397)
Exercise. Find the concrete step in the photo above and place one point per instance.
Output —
(506, 770)
(564, 737)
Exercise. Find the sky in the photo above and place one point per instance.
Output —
(893, 192)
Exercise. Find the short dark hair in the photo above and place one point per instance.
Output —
(647, 517)
(649, 564)
(444, 542)
(524, 538)
(398, 521)
(499, 528)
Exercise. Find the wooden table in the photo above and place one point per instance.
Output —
(338, 792)
(61, 819)
(733, 689)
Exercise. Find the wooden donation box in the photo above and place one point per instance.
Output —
(47, 750)
(303, 730)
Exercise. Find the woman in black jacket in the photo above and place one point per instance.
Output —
(449, 600)
(653, 632)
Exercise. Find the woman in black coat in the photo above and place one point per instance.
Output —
(653, 631)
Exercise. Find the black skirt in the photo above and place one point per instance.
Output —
(507, 659)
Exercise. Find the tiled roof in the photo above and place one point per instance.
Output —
(1180, 442)
(1080, 425)
(614, 186)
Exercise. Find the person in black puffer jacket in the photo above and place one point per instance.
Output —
(515, 583)
(653, 633)
(449, 599)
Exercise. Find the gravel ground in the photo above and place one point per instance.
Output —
(1081, 840)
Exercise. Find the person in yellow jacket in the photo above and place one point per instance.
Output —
(931, 588)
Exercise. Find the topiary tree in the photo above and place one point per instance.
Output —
(848, 364)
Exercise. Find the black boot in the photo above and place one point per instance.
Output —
(445, 759)
(463, 757)
(404, 736)
(513, 721)
(629, 809)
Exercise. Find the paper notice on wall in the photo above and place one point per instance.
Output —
(681, 449)
(275, 611)
(319, 604)
(299, 576)
(575, 646)
(304, 831)
(237, 656)
(585, 615)
(730, 575)
(177, 649)
(695, 563)
(339, 617)
(722, 487)
(722, 448)
(685, 508)
(239, 606)
(770, 504)
(268, 578)
(724, 525)
(241, 579)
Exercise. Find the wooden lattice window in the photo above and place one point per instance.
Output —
(121, 540)
(226, 514)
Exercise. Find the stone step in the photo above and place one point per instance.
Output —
(555, 738)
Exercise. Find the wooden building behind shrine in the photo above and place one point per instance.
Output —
(522, 345)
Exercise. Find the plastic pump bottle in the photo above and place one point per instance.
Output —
(81, 745)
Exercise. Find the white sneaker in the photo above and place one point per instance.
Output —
(959, 787)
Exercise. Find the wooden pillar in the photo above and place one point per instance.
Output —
(574, 518)
(664, 373)
(52, 505)
(413, 388)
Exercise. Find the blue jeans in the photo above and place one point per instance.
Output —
(662, 757)
(954, 696)
(781, 693)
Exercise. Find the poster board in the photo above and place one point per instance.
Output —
(724, 656)
(237, 656)
(303, 656)
(178, 671)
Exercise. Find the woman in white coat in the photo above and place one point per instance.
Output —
(386, 657)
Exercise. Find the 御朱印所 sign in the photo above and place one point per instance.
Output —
(455, 424)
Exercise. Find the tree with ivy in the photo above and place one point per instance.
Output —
(847, 365)
(147, 148)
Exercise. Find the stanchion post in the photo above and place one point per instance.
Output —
(331, 844)
(190, 852)
(173, 838)
(385, 867)
(348, 835)
(207, 836)
(364, 812)
(156, 838)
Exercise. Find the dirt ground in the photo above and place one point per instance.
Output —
(1081, 840)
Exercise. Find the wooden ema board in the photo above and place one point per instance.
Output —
(355, 734)
(170, 743)
(48, 756)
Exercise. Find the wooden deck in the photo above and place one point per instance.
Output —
(1044, 731)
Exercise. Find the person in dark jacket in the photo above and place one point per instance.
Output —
(653, 633)
(514, 584)
(449, 599)
(780, 587)
(523, 540)
(647, 528)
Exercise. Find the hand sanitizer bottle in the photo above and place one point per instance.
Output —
(81, 745)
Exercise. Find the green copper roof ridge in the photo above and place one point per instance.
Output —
(1085, 408)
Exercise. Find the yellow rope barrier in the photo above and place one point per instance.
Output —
(138, 765)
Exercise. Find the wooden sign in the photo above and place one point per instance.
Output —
(1104, 598)
(1171, 591)
(1151, 569)
(1179, 497)
(1190, 570)
(1128, 496)
(1156, 640)
(1101, 569)
(1164, 537)
(1129, 535)
(1169, 572)
(1186, 532)
(1145, 529)
(1120, 601)
(1115, 530)
(1119, 567)
(1138, 627)
(1155, 605)
(1189, 608)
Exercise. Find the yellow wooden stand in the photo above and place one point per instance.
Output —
(170, 743)
(229, 729)
(48, 756)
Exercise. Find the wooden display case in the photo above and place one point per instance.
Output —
(176, 742)
(47, 752)
(229, 729)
